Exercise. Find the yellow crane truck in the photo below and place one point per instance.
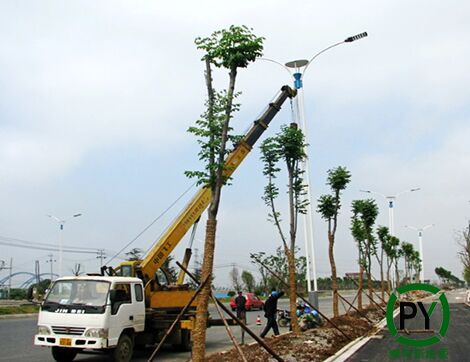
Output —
(134, 304)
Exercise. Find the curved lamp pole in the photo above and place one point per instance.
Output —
(61, 223)
(297, 69)
(420, 240)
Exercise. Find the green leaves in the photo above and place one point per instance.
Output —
(288, 145)
(206, 130)
(329, 205)
(338, 178)
(231, 48)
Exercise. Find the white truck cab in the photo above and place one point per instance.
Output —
(91, 312)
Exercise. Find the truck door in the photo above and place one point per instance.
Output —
(139, 307)
(126, 311)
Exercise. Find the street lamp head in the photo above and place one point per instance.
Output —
(77, 215)
(368, 191)
(299, 63)
(415, 189)
(355, 37)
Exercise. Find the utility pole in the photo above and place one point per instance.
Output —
(51, 260)
(37, 272)
(101, 256)
(9, 283)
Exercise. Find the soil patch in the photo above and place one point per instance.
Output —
(312, 345)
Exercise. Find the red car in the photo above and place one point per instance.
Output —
(252, 302)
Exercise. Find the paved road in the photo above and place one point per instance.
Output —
(456, 341)
(16, 339)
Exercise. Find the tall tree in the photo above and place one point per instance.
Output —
(248, 281)
(231, 49)
(329, 206)
(366, 212)
(407, 251)
(359, 235)
(287, 146)
(391, 250)
(383, 236)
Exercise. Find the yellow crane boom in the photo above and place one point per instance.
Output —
(157, 256)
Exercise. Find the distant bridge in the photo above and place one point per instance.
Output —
(28, 282)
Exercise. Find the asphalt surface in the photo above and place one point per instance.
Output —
(16, 338)
(455, 346)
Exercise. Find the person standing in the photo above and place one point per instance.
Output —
(240, 302)
(270, 309)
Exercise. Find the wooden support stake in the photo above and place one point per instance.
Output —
(226, 310)
(357, 294)
(229, 332)
(372, 300)
(175, 322)
(299, 296)
(352, 306)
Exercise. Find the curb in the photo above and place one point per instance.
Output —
(17, 316)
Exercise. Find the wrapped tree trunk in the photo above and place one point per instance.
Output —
(199, 334)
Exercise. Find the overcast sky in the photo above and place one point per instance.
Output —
(96, 98)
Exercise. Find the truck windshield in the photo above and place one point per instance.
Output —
(81, 292)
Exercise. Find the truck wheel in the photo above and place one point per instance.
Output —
(62, 354)
(123, 350)
(185, 345)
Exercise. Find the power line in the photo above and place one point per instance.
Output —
(47, 248)
(153, 222)
(20, 241)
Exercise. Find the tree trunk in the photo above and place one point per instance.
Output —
(199, 333)
(381, 262)
(370, 287)
(292, 291)
(389, 282)
(360, 287)
(397, 276)
(382, 285)
(334, 282)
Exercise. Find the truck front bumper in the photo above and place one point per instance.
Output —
(51, 340)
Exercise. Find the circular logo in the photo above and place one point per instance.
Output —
(418, 342)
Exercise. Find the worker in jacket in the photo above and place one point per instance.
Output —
(270, 309)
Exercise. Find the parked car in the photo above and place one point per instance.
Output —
(252, 302)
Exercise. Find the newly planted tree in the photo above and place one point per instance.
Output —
(391, 250)
(287, 146)
(359, 235)
(366, 212)
(407, 252)
(329, 206)
(383, 236)
(230, 49)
